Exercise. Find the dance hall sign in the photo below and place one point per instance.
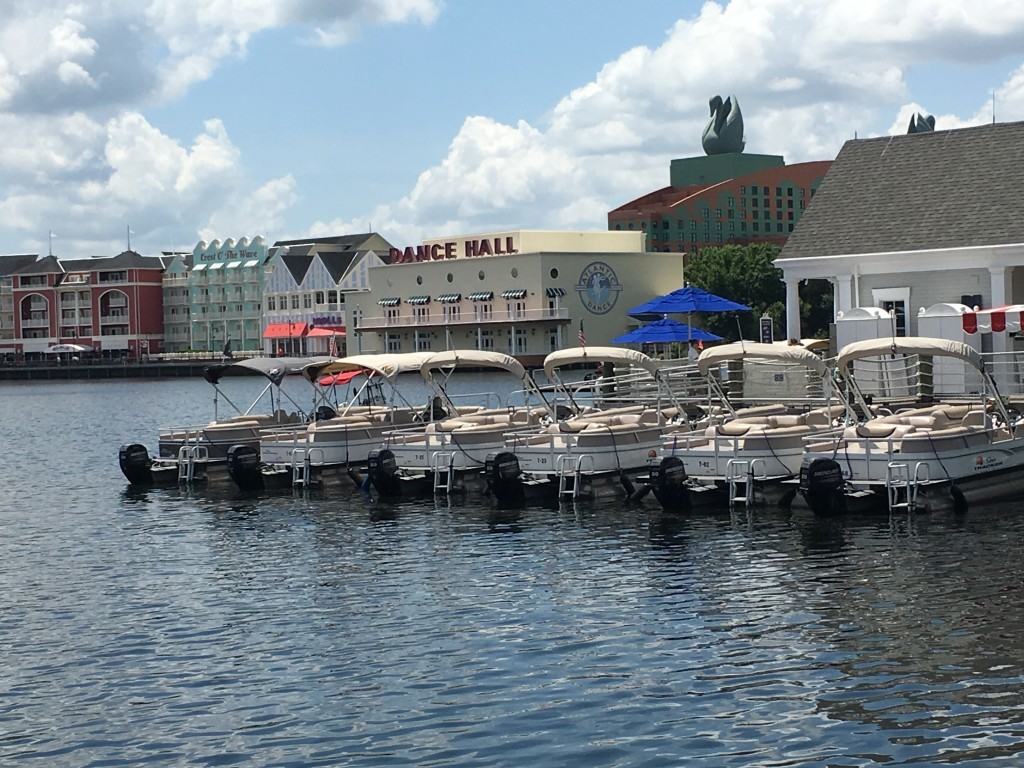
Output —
(464, 248)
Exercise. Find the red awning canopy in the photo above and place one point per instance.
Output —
(284, 330)
(344, 377)
(327, 330)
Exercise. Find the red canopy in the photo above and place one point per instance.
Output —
(338, 378)
(327, 330)
(284, 330)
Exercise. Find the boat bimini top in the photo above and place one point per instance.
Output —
(472, 357)
(273, 368)
(564, 357)
(750, 350)
(387, 366)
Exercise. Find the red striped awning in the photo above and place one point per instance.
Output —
(327, 330)
(285, 330)
(997, 320)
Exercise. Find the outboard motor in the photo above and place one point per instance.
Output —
(504, 477)
(668, 480)
(823, 486)
(244, 467)
(135, 463)
(382, 468)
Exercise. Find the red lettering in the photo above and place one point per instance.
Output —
(435, 252)
(509, 246)
(394, 256)
(472, 249)
(422, 253)
(485, 248)
(408, 256)
(449, 250)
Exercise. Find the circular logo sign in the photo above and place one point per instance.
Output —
(598, 287)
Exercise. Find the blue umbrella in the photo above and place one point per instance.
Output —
(665, 331)
(688, 299)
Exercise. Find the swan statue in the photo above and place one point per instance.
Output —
(921, 123)
(724, 132)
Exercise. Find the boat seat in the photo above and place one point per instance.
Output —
(957, 412)
(732, 428)
(329, 426)
(224, 426)
(976, 419)
(873, 429)
(761, 410)
(787, 420)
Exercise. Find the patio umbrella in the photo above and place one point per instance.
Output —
(58, 349)
(665, 331)
(688, 299)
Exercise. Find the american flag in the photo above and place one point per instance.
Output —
(332, 346)
(582, 336)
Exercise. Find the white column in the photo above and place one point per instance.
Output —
(792, 308)
(844, 292)
(512, 339)
(999, 293)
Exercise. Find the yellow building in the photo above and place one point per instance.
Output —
(522, 292)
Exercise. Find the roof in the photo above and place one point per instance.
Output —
(44, 266)
(298, 264)
(11, 264)
(350, 241)
(338, 262)
(942, 189)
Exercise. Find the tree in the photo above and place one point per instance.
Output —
(747, 274)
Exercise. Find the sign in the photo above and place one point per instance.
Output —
(470, 249)
(767, 329)
(598, 288)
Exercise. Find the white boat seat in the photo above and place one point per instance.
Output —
(788, 420)
(873, 429)
(732, 428)
(224, 426)
(761, 410)
(976, 419)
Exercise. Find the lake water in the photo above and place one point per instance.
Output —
(170, 628)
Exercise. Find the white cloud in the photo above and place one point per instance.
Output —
(808, 75)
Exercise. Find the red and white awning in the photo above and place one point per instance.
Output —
(999, 320)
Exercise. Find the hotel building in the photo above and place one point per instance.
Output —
(727, 198)
(308, 286)
(523, 292)
(8, 265)
(112, 305)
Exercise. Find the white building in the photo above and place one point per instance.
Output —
(907, 222)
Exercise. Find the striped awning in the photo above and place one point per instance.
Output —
(555, 292)
(418, 300)
(482, 296)
(514, 293)
(448, 298)
(390, 301)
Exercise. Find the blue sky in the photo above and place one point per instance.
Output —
(194, 118)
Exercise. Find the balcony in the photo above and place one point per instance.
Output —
(114, 317)
(35, 322)
(465, 318)
(175, 279)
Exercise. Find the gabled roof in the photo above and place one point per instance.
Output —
(11, 264)
(298, 264)
(944, 189)
(337, 263)
(347, 241)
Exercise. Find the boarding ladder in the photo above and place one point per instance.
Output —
(188, 456)
(901, 486)
(442, 466)
(302, 465)
(742, 476)
(570, 465)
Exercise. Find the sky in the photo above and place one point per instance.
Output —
(202, 119)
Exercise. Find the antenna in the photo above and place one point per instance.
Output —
(51, 242)
(128, 230)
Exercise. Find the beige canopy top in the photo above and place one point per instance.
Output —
(908, 345)
(472, 357)
(598, 355)
(386, 365)
(751, 350)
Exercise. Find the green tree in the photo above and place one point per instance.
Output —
(746, 273)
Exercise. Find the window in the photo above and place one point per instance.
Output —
(517, 309)
(553, 340)
(664, 223)
(778, 215)
(618, 226)
(766, 192)
(554, 274)
(789, 203)
(681, 224)
(778, 227)
(485, 340)
(520, 337)
(706, 213)
(732, 213)
(732, 227)
(789, 192)
(643, 225)
(743, 226)
(332, 297)
(452, 313)
(790, 227)
(756, 226)
(295, 301)
(307, 301)
(778, 192)
(753, 202)
(896, 301)
(319, 298)
(421, 314)
(718, 213)
(630, 225)
(483, 310)
(765, 203)
(423, 341)
(732, 201)
(391, 314)
(743, 189)
(394, 342)
(790, 215)
(32, 280)
(693, 225)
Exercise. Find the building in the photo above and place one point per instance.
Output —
(523, 292)
(8, 265)
(224, 294)
(177, 304)
(905, 222)
(308, 283)
(112, 305)
(725, 197)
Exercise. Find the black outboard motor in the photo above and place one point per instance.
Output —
(668, 480)
(823, 487)
(244, 467)
(382, 467)
(504, 477)
(135, 463)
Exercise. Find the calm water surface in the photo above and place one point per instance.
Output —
(171, 628)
